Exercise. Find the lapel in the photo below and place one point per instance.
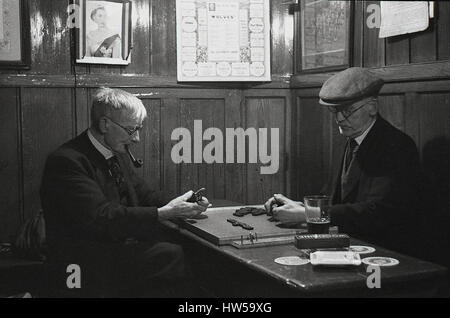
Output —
(337, 195)
(86, 147)
(351, 180)
(98, 163)
(101, 170)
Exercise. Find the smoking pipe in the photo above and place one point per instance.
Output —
(136, 162)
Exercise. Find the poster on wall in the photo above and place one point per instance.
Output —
(223, 40)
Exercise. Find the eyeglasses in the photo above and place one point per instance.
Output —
(346, 112)
(129, 131)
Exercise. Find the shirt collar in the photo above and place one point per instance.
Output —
(107, 153)
(360, 138)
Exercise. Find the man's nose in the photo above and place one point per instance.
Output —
(339, 117)
(135, 137)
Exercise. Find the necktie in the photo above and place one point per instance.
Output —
(351, 150)
(116, 172)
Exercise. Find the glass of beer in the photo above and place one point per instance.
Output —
(317, 208)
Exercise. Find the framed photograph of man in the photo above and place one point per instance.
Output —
(104, 33)
(15, 46)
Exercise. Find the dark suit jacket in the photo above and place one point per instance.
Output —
(81, 201)
(380, 204)
(87, 225)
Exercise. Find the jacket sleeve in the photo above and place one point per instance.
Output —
(366, 216)
(147, 196)
(74, 198)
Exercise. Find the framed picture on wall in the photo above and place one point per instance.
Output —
(15, 50)
(104, 34)
(325, 35)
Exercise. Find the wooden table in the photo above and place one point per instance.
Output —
(252, 272)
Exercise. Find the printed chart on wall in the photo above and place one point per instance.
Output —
(223, 40)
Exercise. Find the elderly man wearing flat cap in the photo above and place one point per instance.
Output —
(376, 189)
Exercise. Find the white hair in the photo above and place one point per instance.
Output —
(109, 101)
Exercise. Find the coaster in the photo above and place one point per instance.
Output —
(291, 260)
(380, 261)
(361, 249)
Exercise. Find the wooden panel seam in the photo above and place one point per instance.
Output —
(20, 155)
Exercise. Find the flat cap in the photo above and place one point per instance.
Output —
(349, 86)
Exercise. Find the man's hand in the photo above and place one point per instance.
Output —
(270, 204)
(286, 210)
(179, 207)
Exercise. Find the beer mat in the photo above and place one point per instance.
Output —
(361, 249)
(380, 261)
(291, 260)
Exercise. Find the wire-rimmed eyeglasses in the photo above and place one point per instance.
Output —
(348, 111)
(129, 131)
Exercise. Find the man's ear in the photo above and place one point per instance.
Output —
(103, 125)
(373, 108)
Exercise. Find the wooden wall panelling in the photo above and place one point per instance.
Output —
(412, 115)
(140, 54)
(295, 144)
(194, 175)
(435, 151)
(309, 134)
(50, 37)
(4, 72)
(392, 108)
(287, 154)
(47, 122)
(397, 50)
(267, 111)
(407, 78)
(443, 29)
(83, 106)
(10, 162)
(77, 68)
(170, 119)
(333, 145)
(416, 86)
(297, 42)
(425, 124)
(358, 27)
(149, 148)
(327, 152)
(106, 69)
(282, 38)
(163, 35)
(373, 47)
(423, 44)
(235, 181)
(338, 147)
(435, 118)
(212, 176)
(295, 151)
